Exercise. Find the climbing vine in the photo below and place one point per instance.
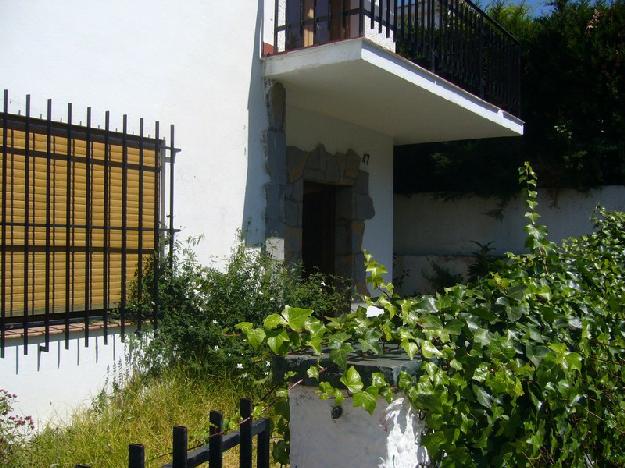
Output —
(525, 367)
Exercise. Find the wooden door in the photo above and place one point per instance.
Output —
(319, 228)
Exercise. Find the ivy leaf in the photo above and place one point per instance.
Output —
(429, 351)
(313, 372)
(339, 355)
(410, 347)
(255, 337)
(315, 343)
(370, 341)
(273, 321)
(277, 343)
(482, 336)
(327, 391)
(378, 380)
(364, 400)
(352, 381)
(296, 317)
(483, 397)
(515, 312)
(574, 361)
(430, 321)
(244, 326)
(315, 327)
(481, 372)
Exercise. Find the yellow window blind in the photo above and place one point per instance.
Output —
(64, 217)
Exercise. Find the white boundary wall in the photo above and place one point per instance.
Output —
(428, 228)
(51, 386)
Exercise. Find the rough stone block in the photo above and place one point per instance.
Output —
(343, 265)
(275, 247)
(276, 156)
(361, 186)
(364, 207)
(276, 100)
(296, 163)
(315, 159)
(357, 231)
(292, 212)
(295, 191)
(332, 173)
(293, 243)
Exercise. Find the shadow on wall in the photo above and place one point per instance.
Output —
(253, 223)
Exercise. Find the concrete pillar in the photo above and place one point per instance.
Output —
(390, 437)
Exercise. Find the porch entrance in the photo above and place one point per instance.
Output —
(319, 228)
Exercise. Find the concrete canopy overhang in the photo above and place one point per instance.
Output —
(360, 82)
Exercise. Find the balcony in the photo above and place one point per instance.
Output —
(420, 70)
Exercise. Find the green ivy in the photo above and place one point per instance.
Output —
(523, 368)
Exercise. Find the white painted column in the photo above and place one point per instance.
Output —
(390, 437)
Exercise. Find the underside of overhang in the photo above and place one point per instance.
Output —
(359, 82)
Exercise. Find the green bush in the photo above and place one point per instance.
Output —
(14, 431)
(525, 367)
(199, 305)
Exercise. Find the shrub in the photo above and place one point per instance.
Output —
(199, 306)
(524, 367)
(14, 430)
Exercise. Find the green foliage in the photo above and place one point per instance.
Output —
(573, 105)
(143, 411)
(441, 277)
(484, 262)
(524, 367)
(200, 306)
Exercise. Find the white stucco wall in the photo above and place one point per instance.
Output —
(50, 386)
(306, 130)
(390, 437)
(193, 63)
(429, 229)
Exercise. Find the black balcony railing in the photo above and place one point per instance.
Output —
(453, 38)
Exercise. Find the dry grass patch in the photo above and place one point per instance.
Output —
(144, 412)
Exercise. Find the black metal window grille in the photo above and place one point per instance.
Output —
(82, 213)
(453, 38)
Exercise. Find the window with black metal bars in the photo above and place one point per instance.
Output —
(82, 214)
(453, 38)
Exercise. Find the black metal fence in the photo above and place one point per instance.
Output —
(218, 443)
(82, 214)
(453, 38)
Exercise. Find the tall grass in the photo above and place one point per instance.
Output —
(143, 412)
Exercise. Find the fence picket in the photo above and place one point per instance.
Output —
(136, 456)
(245, 428)
(179, 446)
(215, 443)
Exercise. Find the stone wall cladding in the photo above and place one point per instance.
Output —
(288, 169)
(354, 205)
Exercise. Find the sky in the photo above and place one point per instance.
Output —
(538, 7)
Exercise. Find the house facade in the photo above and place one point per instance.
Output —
(286, 111)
